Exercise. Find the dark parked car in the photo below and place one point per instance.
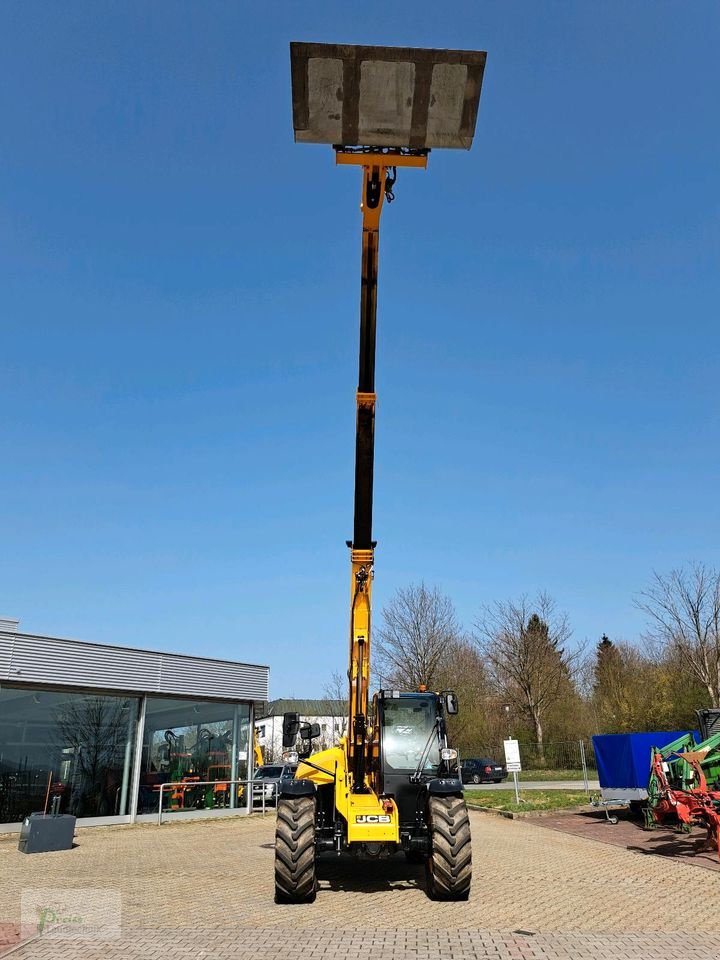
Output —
(267, 780)
(482, 770)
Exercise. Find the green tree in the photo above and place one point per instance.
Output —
(476, 726)
(638, 690)
(609, 679)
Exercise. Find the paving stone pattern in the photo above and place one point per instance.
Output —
(270, 944)
(204, 889)
(629, 833)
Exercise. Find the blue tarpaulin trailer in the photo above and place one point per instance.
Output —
(623, 762)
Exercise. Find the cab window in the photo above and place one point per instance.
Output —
(407, 724)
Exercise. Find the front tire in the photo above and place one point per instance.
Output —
(449, 866)
(476, 778)
(295, 879)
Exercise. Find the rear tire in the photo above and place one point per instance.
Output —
(449, 866)
(295, 880)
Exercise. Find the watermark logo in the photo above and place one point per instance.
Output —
(77, 913)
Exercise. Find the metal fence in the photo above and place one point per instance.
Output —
(553, 756)
(572, 755)
(256, 795)
(554, 760)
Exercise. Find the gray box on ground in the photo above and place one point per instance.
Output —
(43, 833)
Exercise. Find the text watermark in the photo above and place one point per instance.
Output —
(77, 912)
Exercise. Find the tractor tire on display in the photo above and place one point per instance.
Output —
(449, 865)
(295, 880)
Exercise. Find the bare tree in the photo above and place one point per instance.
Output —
(523, 644)
(417, 628)
(684, 612)
(335, 691)
(94, 728)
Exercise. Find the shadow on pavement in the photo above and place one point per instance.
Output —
(356, 875)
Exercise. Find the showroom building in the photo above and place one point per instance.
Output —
(95, 730)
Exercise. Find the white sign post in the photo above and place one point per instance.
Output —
(512, 762)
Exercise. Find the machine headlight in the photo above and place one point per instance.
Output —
(290, 756)
(447, 753)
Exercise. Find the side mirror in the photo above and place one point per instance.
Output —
(452, 706)
(309, 731)
(290, 727)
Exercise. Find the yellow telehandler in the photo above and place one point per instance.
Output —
(392, 784)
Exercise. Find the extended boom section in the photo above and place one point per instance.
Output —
(379, 170)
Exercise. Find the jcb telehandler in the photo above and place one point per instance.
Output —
(392, 785)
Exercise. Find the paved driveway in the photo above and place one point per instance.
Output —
(204, 889)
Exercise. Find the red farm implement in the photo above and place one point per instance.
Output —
(679, 796)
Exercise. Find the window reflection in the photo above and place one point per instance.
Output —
(74, 748)
(187, 743)
(78, 750)
(408, 731)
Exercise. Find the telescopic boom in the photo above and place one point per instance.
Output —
(379, 173)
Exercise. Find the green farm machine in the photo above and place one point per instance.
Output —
(684, 786)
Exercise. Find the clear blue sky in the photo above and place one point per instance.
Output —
(178, 313)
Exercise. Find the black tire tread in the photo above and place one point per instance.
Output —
(450, 861)
(295, 880)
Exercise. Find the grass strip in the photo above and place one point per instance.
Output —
(555, 775)
(531, 800)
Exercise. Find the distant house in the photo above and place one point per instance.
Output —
(331, 715)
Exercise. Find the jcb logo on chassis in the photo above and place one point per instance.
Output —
(372, 818)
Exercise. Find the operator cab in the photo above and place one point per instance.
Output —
(413, 746)
(410, 734)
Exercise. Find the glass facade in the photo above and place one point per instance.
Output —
(187, 742)
(68, 751)
(75, 752)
